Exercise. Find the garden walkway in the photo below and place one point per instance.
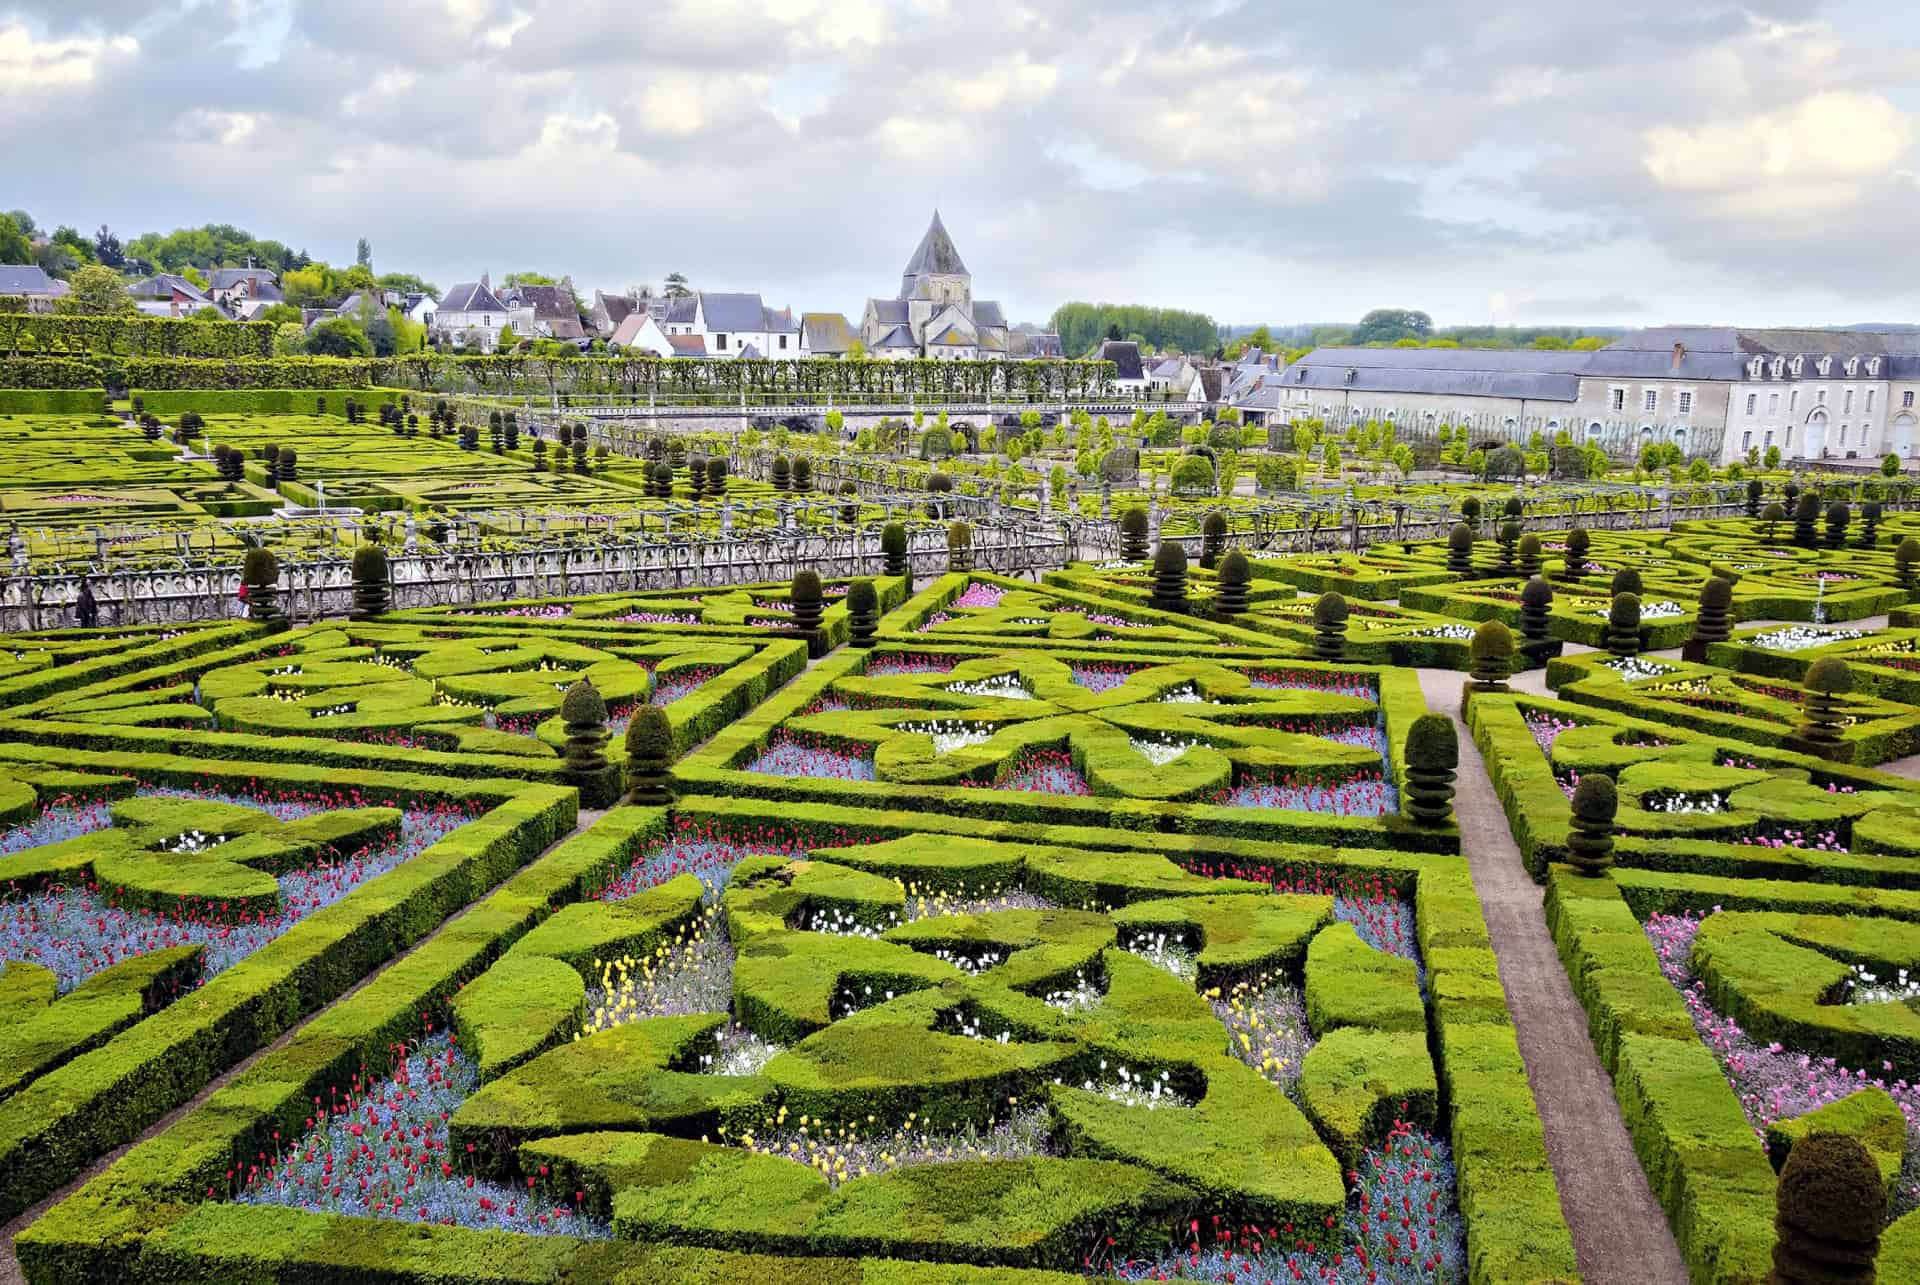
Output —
(10, 1273)
(1620, 1233)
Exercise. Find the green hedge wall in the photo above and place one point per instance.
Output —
(51, 401)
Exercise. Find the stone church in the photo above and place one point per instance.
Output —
(935, 314)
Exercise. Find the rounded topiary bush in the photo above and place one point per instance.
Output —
(1490, 656)
(1230, 584)
(782, 476)
(260, 573)
(585, 767)
(1906, 556)
(1595, 804)
(1433, 754)
(1838, 516)
(1829, 1208)
(1870, 514)
(1806, 515)
(1828, 679)
(716, 476)
(1536, 604)
(1627, 580)
(863, 613)
(650, 756)
(808, 599)
(893, 551)
(1169, 577)
(372, 582)
(1133, 535)
(1574, 560)
(1714, 621)
(1213, 539)
(1330, 613)
(1528, 555)
(803, 475)
(959, 547)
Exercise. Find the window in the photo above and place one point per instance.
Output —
(1753, 402)
(1793, 401)
(1773, 403)
(1820, 397)
(783, 341)
(1870, 393)
(1843, 435)
(486, 322)
(1906, 398)
(1652, 402)
(1769, 437)
(1616, 399)
(1846, 402)
(1685, 399)
(1746, 439)
(720, 342)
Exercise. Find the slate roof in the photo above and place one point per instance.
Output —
(159, 286)
(549, 303)
(986, 312)
(747, 352)
(1125, 355)
(629, 329)
(826, 332)
(618, 307)
(889, 312)
(471, 296)
(228, 278)
(730, 312)
(936, 253)
(1441, 372)
(688, 345)
(1212, 381)
(26, 278)
(1169, 368)
(780, 322)
(897, 337)
(681, 308)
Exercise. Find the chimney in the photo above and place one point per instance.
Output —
(486, 284)
(1679, 355)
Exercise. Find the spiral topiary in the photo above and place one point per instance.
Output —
(1514, 506)
(1433, 752)
(1528, 555)
(1133, 535)
(1330, 627)
(1773, 515)
(372, 583)
(1575, 560)
(1490, 656)
(1213, 539)
(1906, 556)
(1590, 843)
(1230, 584)
(1623, 625)
(1536, 602)
(585, 766)
(649, 756)
(1806, 515)
(260, 572)
(1714, 622)
(893, 552)
(782, 473)
(1829, 1207)
(803, 475)
(1827, 679)
(863, 613)
(1838, 516)
(1169, 577)
(1870, 514)
(1754, 491)
(1460, 549)
(959, 547)
(1627, 580)
(661, 482)
(716, 477)
(1508, 537)
(809, 603)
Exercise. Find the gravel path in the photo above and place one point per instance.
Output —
(1620, 1233)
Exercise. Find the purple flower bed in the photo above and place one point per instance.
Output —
(554, 611)
(1045, 772)
(1099, 676)
(656, 618)
(78, 931)
(1547, 729)
(379, 1148)
(895, 666)
(1338, 682)
(789, 754)
(1402, 1227)
(979, 596)
(1774, 1082)
(1364, 794)
(937, 618)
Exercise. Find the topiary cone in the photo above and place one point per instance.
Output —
(1906, 556)
(1828, 679)
(1623, 625)
(863, 613)
(260, 572)
(1714, 622)
(1460, 549)
(1133, 535)
(1213, 539)
(809, 602)
(585, 766)
(1590, 843)
(1490, 656)
(1529, 555)
(1574, 562)
(1169, 577)
(893, 553)
(650, 756)
(1829, 1207)
(1330, 627)
(1433, 753)
(372, 583)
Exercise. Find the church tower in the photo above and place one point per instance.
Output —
(935, 273)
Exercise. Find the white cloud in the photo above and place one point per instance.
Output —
(1836, 135)
(27, 64)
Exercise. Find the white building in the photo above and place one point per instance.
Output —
(471, 315)
(733, 325)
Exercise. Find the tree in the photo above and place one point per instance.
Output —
(95, 292)
(676, 286)
(24, 221)
(14, 246)
(363, 254)
(407, 283)
(1384, 325)
(338, 337)
(379, 332)
(107, 250)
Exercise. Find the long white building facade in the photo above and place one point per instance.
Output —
(1716, 392)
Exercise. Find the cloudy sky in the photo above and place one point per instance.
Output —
(1636, 161)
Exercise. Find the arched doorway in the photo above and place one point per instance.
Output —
(1815, 443)
(1680, 439)
(1902, 443)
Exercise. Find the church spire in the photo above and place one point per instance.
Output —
(936, 255)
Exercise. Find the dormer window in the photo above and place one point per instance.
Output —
(1755, 366)
(1824, 366)
(1873, 366)
(1853, 367)
(1797, 365)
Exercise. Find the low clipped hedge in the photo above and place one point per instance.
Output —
(51, 401)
